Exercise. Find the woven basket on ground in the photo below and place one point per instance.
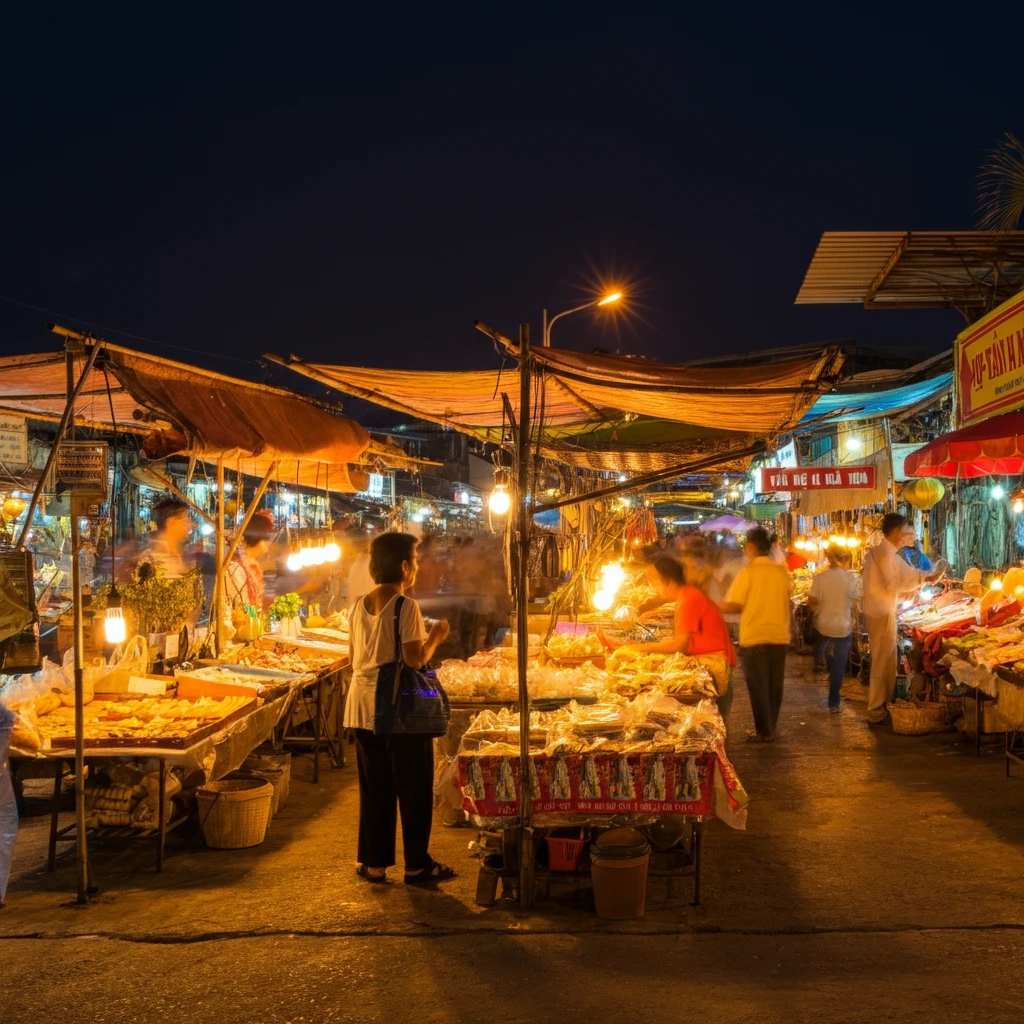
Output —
(918, 718)
(234, 812)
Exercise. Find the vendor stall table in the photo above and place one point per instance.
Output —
(320, 700)
(214, 757)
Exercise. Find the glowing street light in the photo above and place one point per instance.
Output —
(608, 300)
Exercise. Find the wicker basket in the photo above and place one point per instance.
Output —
(261, 759)
(918, 718)
(234, 812)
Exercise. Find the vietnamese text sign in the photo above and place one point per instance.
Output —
(990, 364)
(822, 478)
(13, 442)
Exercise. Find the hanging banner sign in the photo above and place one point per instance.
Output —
(822, 478)
(990, 364)
(14, 442)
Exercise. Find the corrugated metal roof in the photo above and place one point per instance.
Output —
(972, 271)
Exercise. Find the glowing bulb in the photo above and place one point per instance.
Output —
(998, 493)
(853, 542)
(113, 625)
(317, 555)
(1019, 592)
(294, 562)
(853, 443)
(499, 501)
(840, 542)
(1018, 505)
(332, 552)
(612, 576)
(206, 529)
(614, 297)
(996, 584)
(603, 600)
(800, 545)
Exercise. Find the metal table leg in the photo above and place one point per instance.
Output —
(979, 718)
(316, 729)
(161, 816)
(58, 779)
(698, 841)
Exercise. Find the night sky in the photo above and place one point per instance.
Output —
(358, 183)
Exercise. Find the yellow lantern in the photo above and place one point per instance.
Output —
(13, 507)
(924, 492)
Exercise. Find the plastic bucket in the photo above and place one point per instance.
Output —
(564, 852)
(618, 872)
(278, 760)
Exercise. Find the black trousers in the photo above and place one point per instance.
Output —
(396, 773)
(764, 666)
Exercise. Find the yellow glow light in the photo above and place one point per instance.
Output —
(996, 584)
(113, 626)
(800, 544)
(614, 297)
(612, 576)
(853, 542)
(853, 443)
(603, 600)
(499, 501)
(1018, 505)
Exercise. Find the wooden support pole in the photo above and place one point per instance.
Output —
(81, 848)
(68, 418)
(250, 512)
(169, 484)
(527, 877)
(217, 604)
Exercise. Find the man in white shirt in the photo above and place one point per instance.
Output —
(831, 602)
(885, 577)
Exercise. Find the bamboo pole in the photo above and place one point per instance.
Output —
(81, 848)
(527, 878)
(67, 426)
(216, 605)
(169, 484)
(250, 512)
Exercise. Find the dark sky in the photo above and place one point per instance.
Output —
(358, 183)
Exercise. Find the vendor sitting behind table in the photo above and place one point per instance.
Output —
(243, 576)
(697, 628)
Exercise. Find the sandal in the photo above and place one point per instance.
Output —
(753, 737)
(364, 872)
(429, 876)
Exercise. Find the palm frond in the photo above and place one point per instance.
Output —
(1001, 187)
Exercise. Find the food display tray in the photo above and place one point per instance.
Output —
(155, 742)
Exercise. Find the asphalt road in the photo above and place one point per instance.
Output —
(880, 878)
(925, 976)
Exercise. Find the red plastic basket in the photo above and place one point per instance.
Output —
(564, 854)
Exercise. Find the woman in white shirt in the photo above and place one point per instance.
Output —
(396, 772)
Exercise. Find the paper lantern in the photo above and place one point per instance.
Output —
(13, 507)
(924, 492)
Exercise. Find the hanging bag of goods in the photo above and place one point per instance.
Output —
(408, 701)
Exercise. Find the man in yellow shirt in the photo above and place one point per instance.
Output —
(760, 593)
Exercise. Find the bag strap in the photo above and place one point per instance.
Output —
(398, 648)
(398, 626)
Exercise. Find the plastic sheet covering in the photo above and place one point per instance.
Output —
(8, 807)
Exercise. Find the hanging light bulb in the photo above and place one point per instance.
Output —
(1018, 505)
(998, 493)
(612, 576)
(603, 600)
(113, 621)
(331, 550)
(853, 542)
(294, 561)
(500, 501)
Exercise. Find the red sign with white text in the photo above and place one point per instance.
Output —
(821, 478)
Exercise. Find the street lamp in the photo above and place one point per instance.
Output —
(608, 300)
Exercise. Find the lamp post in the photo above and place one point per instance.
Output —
(547, 324)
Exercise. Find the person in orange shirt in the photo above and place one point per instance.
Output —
(697, 626)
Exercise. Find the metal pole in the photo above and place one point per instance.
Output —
(544, 339)
(217, 604)
(81, 849)
(526, 851)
